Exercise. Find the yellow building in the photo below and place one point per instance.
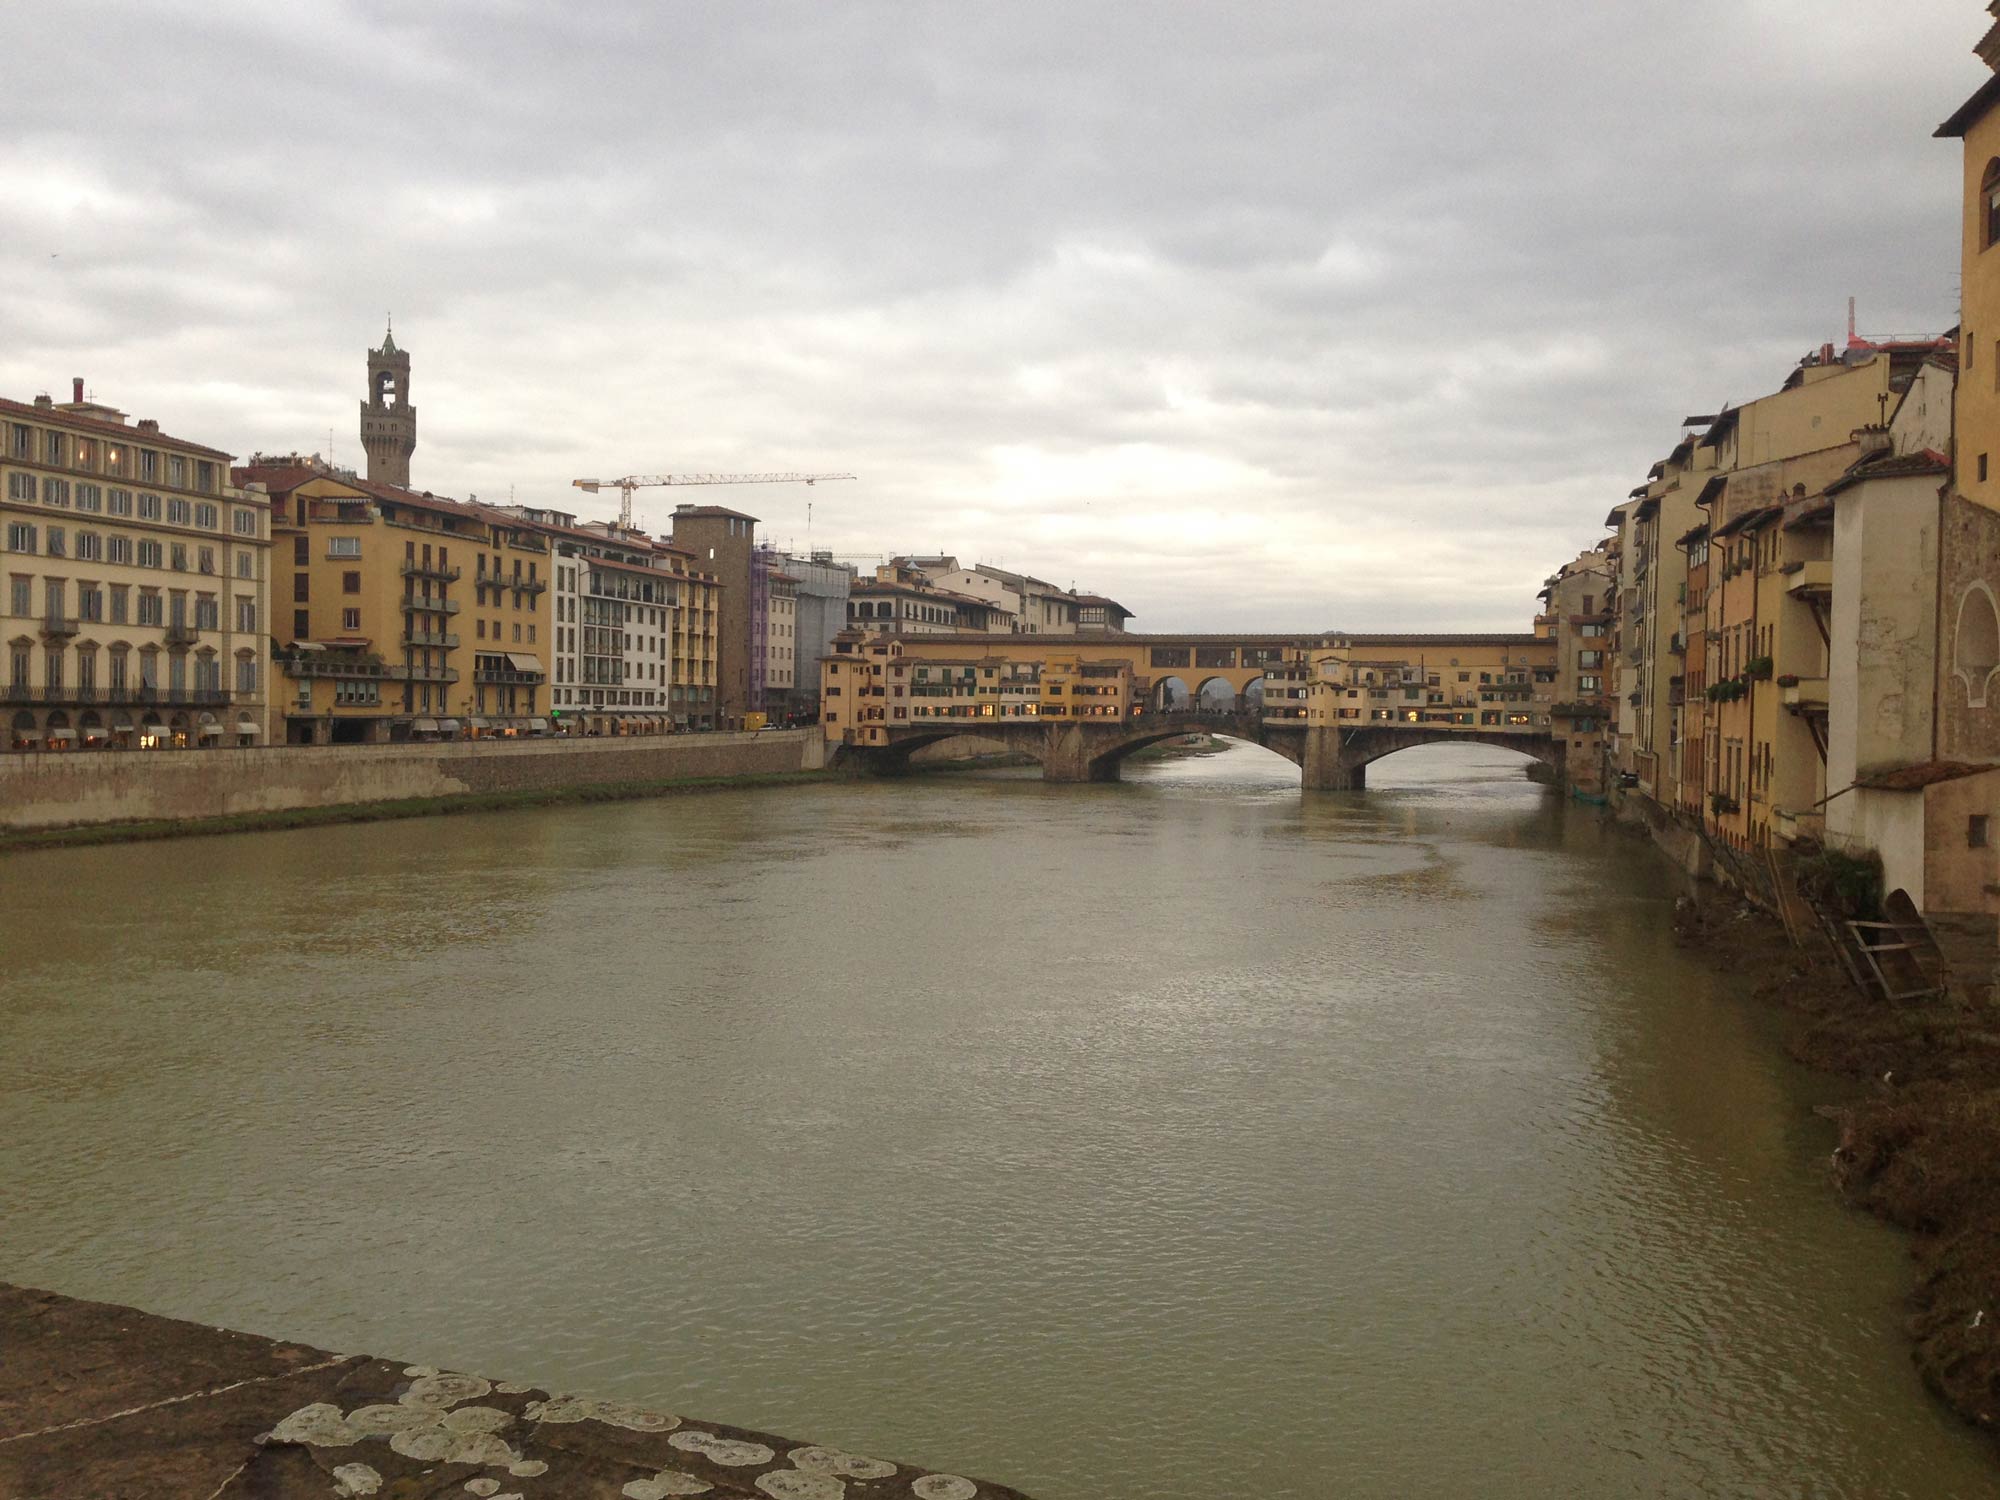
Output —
(1498, 684)
(402, 615)
(137, 585)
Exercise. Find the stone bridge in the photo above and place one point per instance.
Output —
(1331, 759)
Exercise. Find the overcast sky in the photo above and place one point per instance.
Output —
(1247, 314)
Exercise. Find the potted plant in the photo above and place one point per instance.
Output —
(1790, 679)
(1758, 667)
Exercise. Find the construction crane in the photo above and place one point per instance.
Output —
(633, 482)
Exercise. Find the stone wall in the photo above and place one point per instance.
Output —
(56, 789)
(1968, 692)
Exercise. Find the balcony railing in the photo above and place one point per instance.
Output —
(505, 676)
(438, 571)
(182, 634)
(422, 674)
(423, 602)
(176, 697)
(442, 638)
(317, 665)
(58, 625)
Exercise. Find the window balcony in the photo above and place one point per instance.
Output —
(1813, 580)
(415, 603)
(182, 635)
(58, 625)
(1805, 695)
(537, 585)
(437, 571)
(505, 677)
(317, 664)
(402, 673)
(416, 637)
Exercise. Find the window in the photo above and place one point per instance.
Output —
(204, 560)
(206, 516)
(350, 583)
(58, 542)
(21, 596)
(1989, 193)
(149, 470)
(1975, 831)
(350, 619)
(204, 480)
(20, 485)
(118, 549)
(207, 613)
(150, 610)
(177, 473)
(21, 440)
(89, 601)
(121, 594)
(17, 666)
(1982, 467)
(119, 503)
(301, 552)
(246, 616)
(179, 512)
(52, 447)
(246, 565)
(301, 625)
(177, 559)
(151, 554)
(89, 497)
(245, 522)
(118, 679)
(343, 546)
(20, 537)
(299, 586)
(55, 492)
(149, 507)
(246, 674)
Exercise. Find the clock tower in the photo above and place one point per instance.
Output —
(388, 421)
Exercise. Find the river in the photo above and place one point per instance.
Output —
(1181, 1138)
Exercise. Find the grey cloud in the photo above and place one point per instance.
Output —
(1261, 314)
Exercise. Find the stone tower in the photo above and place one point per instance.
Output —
(388, 421)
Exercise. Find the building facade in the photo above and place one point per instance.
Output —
(401, 615)
(137, 598)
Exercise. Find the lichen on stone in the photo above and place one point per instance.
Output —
(665, 1484)
(943, 1487)
(731, 1453)
(817, 1460)
(355, 1480)
(796, 1484)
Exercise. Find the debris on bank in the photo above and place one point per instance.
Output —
(1919, 1144)
(106, 1401)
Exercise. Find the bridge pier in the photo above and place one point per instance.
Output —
(1069, 754)
(1326, 767)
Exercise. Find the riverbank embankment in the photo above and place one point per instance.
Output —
(1918, 1143)
(78, 797)
(104, 1400)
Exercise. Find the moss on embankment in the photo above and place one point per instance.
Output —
(1919, 1145)
(376, 812)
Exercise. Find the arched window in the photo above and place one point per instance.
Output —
(1976, 643)
(1989, 204)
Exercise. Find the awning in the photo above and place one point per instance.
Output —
(208, 729)
(125, 728)
(307, 646)
(448, 726)
(535, 726)
(248, 729)
(62, 734)
(424, 726)
(523, 662)
(29, 735)
(476, 723)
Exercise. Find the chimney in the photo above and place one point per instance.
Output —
(76, 390)
(148, 424)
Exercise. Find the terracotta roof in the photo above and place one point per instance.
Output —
(121, 430)
(1915, 778)
(712, 512)
(1971, 112)
(1900, 466)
